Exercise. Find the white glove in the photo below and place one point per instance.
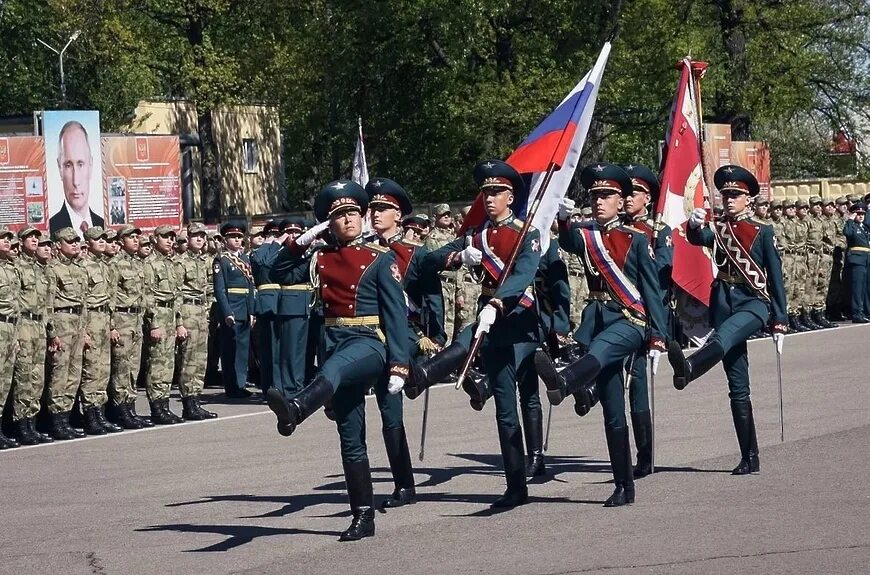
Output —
(471, 256)
(655, 355)
(566, 206)
(697, 217)
(309, 236)
(395, 384)
(485, 319)
(779, 340)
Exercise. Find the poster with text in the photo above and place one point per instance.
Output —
(755, 157)
(22, 182)
(73, 169)
(142, 181)
(717, 153)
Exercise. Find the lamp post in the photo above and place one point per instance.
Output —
(60, 54)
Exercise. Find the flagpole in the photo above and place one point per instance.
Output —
(695, 86)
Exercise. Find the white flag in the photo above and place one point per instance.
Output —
(360, 172)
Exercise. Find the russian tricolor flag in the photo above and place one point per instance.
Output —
(558, 140)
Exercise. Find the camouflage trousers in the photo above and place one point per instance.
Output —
(161, 358)
(193, 351)
(7, 359)
(448, 292)
(579, 293)
(126, 357)
(467, 313)
(28, 381)
(796, 282)
(65, 364)
(819, 274)
(96, 358)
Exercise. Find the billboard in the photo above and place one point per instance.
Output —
(22, 182)
(73, 169)
(142, 177)
(755, 157)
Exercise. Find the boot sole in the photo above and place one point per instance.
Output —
(552, 380)
(677, 359)
(345, 538)
(281, 408)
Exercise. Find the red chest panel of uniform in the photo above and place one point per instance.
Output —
(645, 228)
(341, 271)
(617, 242)
(404, 253)
(746, 231)
(501, 241)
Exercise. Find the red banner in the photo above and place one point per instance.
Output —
(22, 182)
(755, 157)
(142, 179)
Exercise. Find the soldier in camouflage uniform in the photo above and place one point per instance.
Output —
(195, 274)
(822, 238)
(441, 235)
(576, 279)
(96, 353)
(794, 264)
(809, 231)
(162, 325)
(67, 288)
(128, 307)
(835, 215)
(8, 318)
(28, 380)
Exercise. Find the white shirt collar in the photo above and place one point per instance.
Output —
(76, 220)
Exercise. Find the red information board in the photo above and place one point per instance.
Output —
(22, 182)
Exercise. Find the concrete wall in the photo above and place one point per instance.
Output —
(827, 188)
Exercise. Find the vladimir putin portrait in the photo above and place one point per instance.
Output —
(75, 163)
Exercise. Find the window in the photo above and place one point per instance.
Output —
(251, 156)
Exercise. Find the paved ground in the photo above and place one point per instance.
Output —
(231, 496)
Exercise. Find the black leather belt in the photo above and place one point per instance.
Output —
(132, 309)
(31, 316)
(76, 309)
(8, 319)
(194, 301)
(101, 309)
(165, 304)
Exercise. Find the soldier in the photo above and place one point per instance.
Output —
(624, 317)
(365, 333)
(507, 310)
(113, 244)
(836, 217)
(415, 228)
(806, 260)
(67, 289)
(163, 325)
(128, 308)
(441, 235)
(819, 250)
(28, 381)
(645, 192)
(96, 355)
(212, 374)
(256, 238)
(857, 260)
(761, 207)
(387, 202)
(9, 286)
(180, 245)
(747, 294)
(264, 332)
(777, 221)
(234, 292)
(795, 264)
(194, 267)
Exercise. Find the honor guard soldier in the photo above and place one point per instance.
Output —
(163, 325)
(265, 331)
(415, 228)
(96, 355)
(9, 286)
(67, 288)
(128, 309)
(857, 260)
(387, 202)
(507, 310)
(28, 381)
(747, 293)
(625, 315)
(194, 267)
(234, 292)
(360, 286)
(645, 192)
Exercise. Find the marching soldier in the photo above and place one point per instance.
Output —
(194, 267)
(747, 294)
(67, 289)
(163, 324)
(819, 251)
(96, 355)
(365, 333)
(234, 292)
(441, 235)
(387, 202)
(857, 260)
(9, 286)
(508, 311)
(28, 381)
(625, 315)
(128, 308)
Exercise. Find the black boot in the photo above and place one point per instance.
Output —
(9, 442)
(476, 385)
(620, 460)
(23, 433)
(860, 318)
(696, 365)
(125, 419)
(203, 413)
(832, 318)
(188, 410)
(144, 421)
(819, 318)
(804, 319)
(577, 378)
(399, 456)
(432, 370)
(358, 477)
(41, 437)
(744, 425)
(60, 428)
(101, 419)
(161, 415)
(533, 429)
(291, 413)
(511, 442)
(92, 423)
(586, 400)
(794, 325)
(641, 423)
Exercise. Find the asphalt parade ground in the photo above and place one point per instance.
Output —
(232, 496)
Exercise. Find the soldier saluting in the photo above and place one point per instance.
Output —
(365, 333)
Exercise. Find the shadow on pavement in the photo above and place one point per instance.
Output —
(236, 535)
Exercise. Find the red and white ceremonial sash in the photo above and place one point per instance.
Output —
(739, 258)
(620, 286)
(494, 265)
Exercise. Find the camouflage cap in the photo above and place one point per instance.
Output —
(801, 203)
(181, 237)
(44, 240)
(214, 235)
(788, 203)
(815, 200)
(842, 201)
(854, 198)
(441, 209)
(28, 231)
(5, 231)
(14, 241)
(111, 235)
(95, 233)
(196, 228)
(761, 201)
(145, 240)
(775, 203)
(828, 201)
(128, 230)
(164, 230)
(586, 211)
(66, 234)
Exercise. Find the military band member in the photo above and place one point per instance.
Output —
(234, 292)
(625, 315)
(9, 286)
(507, 310)
(747, 294)
(857, 259)
(365, 333)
